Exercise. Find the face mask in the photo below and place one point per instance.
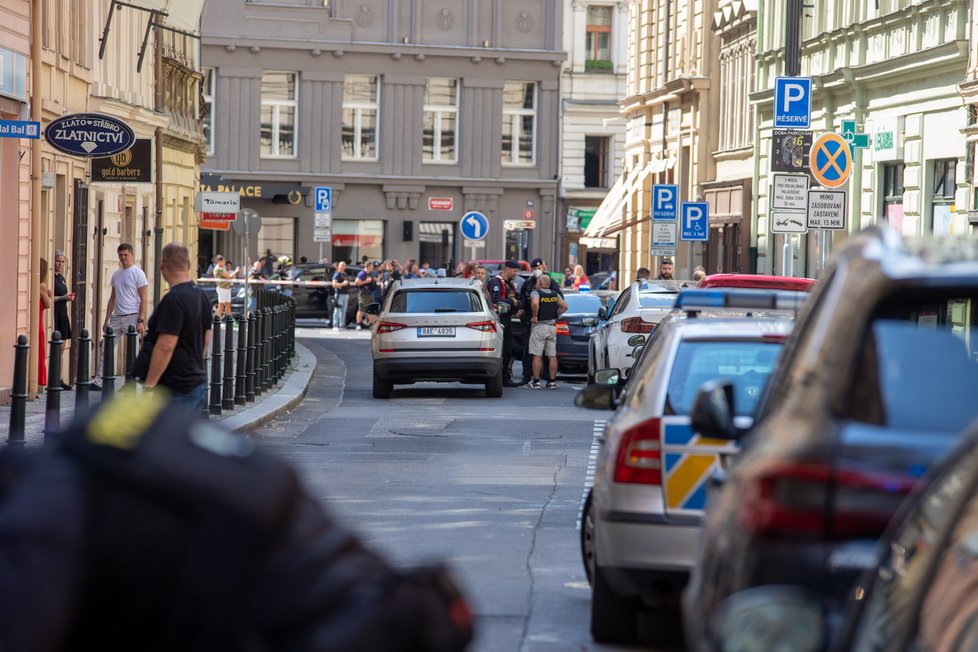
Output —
(537, 273)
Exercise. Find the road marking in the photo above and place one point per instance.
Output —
(592, 467)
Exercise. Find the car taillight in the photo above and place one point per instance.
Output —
(636, 325)
(563, 328)
(813, 499)
(484, 326)
(639, 454)
(389, 327)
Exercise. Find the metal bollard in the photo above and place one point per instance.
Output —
(108, 364)
(250, 361)
(277, 343)
(84, 378)
(216, 355)
(241, 367)
(18, 393)
(132, 344)
(227, 402)
(52, 407)
(292, 330)
(259, 352)
(266, 367)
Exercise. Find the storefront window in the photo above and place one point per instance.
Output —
(278, 235)
(517, 245)
(436, 241)
(942, 199)
(354, 239)
(893, 194)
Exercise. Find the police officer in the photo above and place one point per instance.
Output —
(545, 307)
(537, 268)
(502, 291)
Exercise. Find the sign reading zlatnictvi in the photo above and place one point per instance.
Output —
(92, 135)
(135, 165)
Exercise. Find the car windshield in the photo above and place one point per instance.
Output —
(583, 303)
(428, 300)
(746, 363)
(658, 300)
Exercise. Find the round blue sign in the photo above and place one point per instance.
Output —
(474, 225)
(92, 135)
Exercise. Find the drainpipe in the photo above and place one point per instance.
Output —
(34, 290)
(755, 194)
(158, 137)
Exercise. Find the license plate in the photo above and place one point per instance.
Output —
(436, 331)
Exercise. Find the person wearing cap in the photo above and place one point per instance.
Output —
(665, 269)
(502, 291)
(365, 282)
(545, 307)
(537, 267)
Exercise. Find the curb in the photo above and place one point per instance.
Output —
(283, 397)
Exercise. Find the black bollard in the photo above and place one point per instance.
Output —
(132, 342)
(276, 343)
(241, 366)
(108, 364)
(216, 355)
(227, 401)
(84, 378)
(18, 393)
(259, 352)
(250, 361)
(52, 408)
(266, 368)
(291, 330)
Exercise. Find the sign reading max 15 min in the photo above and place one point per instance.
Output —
(92, 135)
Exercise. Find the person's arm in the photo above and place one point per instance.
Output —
(108, 309)
(561, 305)
(141, 322)
(207, 340)
(163, 350)
(534, 306)
(46, 296)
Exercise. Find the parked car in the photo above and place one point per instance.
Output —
(237, 296)
(760, 281)
(877, 380)
(316, 301)
(641, 517)
(438, 329)
(574, 330)
(493, 267)
(920, 594)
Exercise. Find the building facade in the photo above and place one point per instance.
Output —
(893, 68)
(412, 113)
(969, 93)
(592, 141)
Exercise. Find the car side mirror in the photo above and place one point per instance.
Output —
(603, 313)
(589, 322)
(372, 309)
(635, 340)
(597, 397)
(770, 618)
(637, 351)
(713, 411)
(607, 377)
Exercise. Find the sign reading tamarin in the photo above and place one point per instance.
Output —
(135, 165)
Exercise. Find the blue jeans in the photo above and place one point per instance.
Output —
(339, 310)
(195, 399)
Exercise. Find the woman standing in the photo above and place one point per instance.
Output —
(61, 299)
(46, 302)
(580, 278)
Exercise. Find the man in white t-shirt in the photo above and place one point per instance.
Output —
(127, 305)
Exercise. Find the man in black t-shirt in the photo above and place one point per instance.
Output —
(179, 333)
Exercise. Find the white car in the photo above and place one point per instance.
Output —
(436, 329)
(635, 314)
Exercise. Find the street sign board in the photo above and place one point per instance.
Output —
(855, 138)
(19, 129)
(474, 225)
(217, 202)
(664, 235)
(830, 160)
(663, 251)
(248, 222)
(789, 150)
(519, 225)
(322, 235)
(215, 225)
(324, 220)
(827, 209)
(789, 192)
(665, 202)
(324, 199)
(792, 102)
(528, 214)
(440, 203)
(695, 223)
(477, 244)
(788, 222)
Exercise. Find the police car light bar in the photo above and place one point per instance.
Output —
(739, 299)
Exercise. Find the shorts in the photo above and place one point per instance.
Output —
(543, 339)
(224, 295)
(363, 300)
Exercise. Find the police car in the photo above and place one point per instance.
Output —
(641, 519)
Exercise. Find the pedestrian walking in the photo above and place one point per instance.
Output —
(223, 276)
(546, 307)
(365, 283)
(502, 291)
(47, 300)
(340, 285)
(172, 355)
(127, 305)
(62, 297)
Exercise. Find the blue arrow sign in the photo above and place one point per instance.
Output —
(695, 224)
(793, 102)
(324, 199)
(474, 225)
(665, 202)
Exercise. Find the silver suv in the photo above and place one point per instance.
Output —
(439, 329)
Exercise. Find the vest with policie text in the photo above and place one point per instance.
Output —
(549, 304)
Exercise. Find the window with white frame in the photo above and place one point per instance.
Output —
(440, 120)
(278, 114)
(207, 115)
(598, 39)
(360, 109)
(519, 123)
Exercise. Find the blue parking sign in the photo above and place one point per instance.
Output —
(695, 224)
(792, 102)
(324, 199)
(665, 202)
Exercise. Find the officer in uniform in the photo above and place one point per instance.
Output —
(546, 305)
(537, 267)
(502, 291)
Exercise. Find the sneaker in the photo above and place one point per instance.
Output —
(336, 328)
(512, 383)
(551, 384)
(533, 384)
(95, 387)
(359, 327)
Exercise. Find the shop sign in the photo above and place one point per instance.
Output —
(519, 225)
(579, 218)
(92, 135)
(886, 132)
(135, 165)
(215, 225)
(440, 203)
(210, 182)
(789, 150)
(218, 202)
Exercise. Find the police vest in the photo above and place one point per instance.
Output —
(549, 304)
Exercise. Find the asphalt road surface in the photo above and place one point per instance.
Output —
(492, 486)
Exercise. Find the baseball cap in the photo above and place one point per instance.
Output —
(512, 264)
(536, 262)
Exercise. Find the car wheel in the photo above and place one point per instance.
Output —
(382, 387)
(587, 539)
(494, 387)
(614, 619)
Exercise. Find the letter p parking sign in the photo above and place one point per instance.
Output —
(792, 102)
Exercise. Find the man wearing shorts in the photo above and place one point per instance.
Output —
(365, 291)
(546, 305)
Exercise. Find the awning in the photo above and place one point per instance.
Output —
(610, 208)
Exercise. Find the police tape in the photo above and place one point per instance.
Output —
(263, 281)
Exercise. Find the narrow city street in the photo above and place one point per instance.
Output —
(438, 471)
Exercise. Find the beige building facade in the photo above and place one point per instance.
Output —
(969, 93)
